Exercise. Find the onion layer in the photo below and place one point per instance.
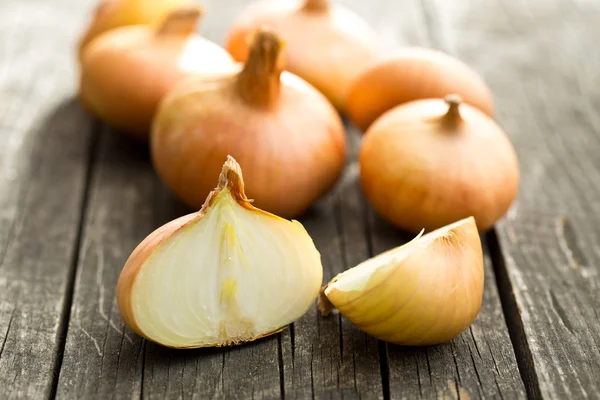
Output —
(327, 45)
(414, 74)
(127, 71)
(286, 136)
(423, 293)
(428, 163)
(225, 275)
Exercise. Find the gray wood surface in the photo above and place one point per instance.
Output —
(76, 197)
(44, 151)
(541, 59)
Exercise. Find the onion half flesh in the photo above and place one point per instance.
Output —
(423, 293)
(228, 274)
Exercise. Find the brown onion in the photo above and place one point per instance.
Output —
(127, 71)
(327, 45)
(286, 136)
(111, 14)
(414, 74)
(428, 163)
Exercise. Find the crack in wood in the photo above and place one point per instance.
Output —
(65, 315)
(12, 314)
(569, 243)
(560, 311)
(513, 318)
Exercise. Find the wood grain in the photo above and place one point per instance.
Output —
(44, 152)
(540, 61)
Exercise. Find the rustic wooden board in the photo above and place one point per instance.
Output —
(44, 152)
(541, 60)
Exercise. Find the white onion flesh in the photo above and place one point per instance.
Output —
(232, 276)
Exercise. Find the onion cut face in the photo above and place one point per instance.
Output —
(423, 293)
(228, 274)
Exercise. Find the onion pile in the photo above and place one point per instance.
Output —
(126, 72)
(327, 44)
(432, 158)
(286, 136)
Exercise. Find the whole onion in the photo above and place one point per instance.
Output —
(428, 163)
(126, 72)
(326, 44)
(286, 136)
(414, 73)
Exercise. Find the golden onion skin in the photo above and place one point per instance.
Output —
(326, 44)
(411, 74)
(287, 137)
(418, 171)
(126, 72)
(112, 14)
(427, 298)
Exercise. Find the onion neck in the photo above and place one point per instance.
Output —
(452, 118)
(230, 178)
(316, 5)
(259, 81)
(180, 22)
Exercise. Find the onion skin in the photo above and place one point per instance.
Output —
(414, 74)
(423, 165)
(231, 180)
(111, 14)
(326, 44)
(425, 298)
(287, 137)
(126, 72)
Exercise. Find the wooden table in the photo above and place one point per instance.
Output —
(76, 197)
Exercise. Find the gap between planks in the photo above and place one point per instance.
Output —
(65, 315)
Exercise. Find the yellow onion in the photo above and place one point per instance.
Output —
(111, 14)
(286, 136)
(423, 293)
(327, 45)
(428, 163)
(414, 74)
(127, 71)
(225, 275)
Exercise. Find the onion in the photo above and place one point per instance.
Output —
(430, 162)
(414, 74)
(225, 275)
(111, 14)
(284, 133)
(127, 71)
(327, 45)
(423, 293)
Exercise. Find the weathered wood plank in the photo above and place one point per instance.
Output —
(44, 152)
(539, 59)
(328, 357)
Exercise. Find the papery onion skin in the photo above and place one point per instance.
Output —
(411, 74)
(231, 184)
(112, 14)
(126, 72)
(426, 297)
(421, 167)
(326, 44)
(287, 137)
